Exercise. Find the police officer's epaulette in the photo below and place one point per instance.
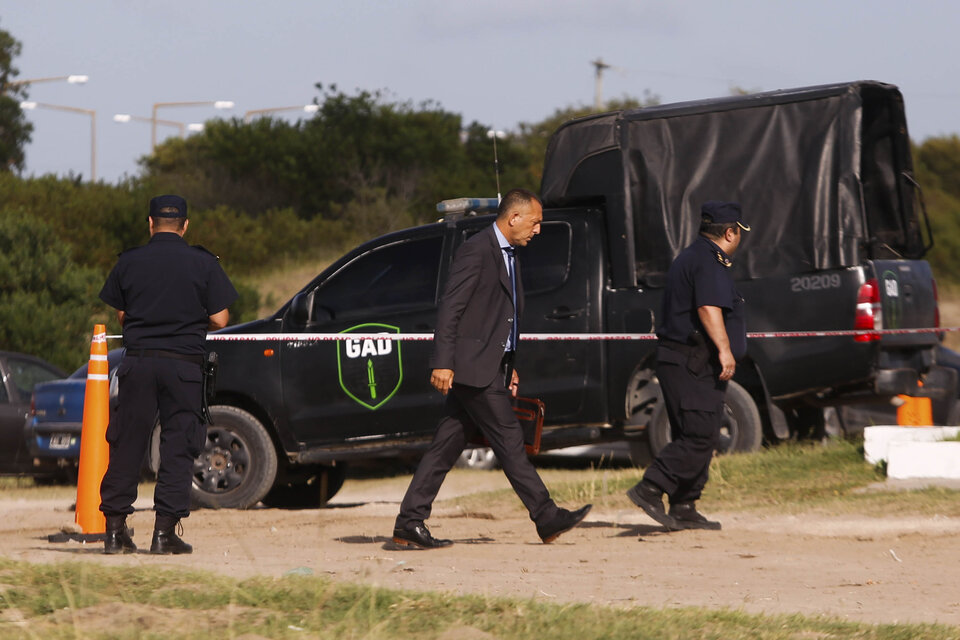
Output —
(724, 261)
(205, 250)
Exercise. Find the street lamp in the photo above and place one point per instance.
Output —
(494, 134)
(72, 79)
(307, 108)
(124, 118)
(216, 104)
(29, 105)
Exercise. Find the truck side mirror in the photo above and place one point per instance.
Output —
(301, 307)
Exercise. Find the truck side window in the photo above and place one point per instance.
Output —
(545, 262)
(400, 274)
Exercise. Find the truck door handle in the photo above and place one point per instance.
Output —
(564, 313)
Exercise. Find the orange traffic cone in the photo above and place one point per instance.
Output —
(94, 451)
(915, 412)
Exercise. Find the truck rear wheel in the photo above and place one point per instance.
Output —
(238, 465)
(741, 429)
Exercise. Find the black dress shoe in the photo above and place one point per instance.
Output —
(117, 538)
(561, 523)
(417, 536)
(649, 497)
(686, 516)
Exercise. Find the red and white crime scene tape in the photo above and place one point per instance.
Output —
(547, 337)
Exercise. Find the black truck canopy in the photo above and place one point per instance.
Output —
(824, 175)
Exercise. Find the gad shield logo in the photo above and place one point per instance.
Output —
(370, 369)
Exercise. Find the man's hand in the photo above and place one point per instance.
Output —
(514, 384)
(728, 363)
(442, 379)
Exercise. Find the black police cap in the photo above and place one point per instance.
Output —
(168, 207)
(718, 212)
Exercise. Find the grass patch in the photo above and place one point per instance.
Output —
(82, 600)
(788, 478)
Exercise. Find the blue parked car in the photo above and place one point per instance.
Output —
(53, 426)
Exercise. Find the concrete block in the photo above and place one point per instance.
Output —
(877, 440)
(923, 460)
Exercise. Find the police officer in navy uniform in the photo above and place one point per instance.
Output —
(167, 295)
(701, 337)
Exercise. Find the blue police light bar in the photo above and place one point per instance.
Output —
(462, 205)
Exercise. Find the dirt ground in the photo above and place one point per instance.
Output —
(872, 569)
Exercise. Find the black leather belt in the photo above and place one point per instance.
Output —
(160, 353)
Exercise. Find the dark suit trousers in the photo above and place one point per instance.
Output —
(467, 410)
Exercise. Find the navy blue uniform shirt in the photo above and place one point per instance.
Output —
(698, 278)
(168, 291)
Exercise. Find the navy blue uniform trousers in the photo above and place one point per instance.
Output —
(693, 398)
(148, 386)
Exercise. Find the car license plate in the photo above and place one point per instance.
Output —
(60, 441)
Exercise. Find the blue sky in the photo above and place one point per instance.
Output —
(493, 61)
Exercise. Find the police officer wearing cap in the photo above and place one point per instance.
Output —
(701, 337)
(167, 295)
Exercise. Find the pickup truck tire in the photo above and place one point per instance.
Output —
(478, 458)
(238, 465)
(741, 431)
(307, 492)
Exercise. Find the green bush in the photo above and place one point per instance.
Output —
(46, 300)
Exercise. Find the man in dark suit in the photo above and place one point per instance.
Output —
(473, 352)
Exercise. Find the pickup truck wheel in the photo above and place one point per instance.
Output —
(482, 458)
(642, 398)
(307, 492)
(741, 429)
(238, 466)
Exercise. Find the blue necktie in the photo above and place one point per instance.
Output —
(512, 272)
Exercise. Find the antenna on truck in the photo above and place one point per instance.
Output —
(493, 133)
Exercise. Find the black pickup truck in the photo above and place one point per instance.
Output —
(825, 178)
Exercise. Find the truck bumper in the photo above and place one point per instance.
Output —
(938, 382)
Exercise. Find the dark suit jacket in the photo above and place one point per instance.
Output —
(476, 312)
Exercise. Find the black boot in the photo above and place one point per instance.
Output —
(649, 497)
(165, 538)
(687, 517)
(117, 538)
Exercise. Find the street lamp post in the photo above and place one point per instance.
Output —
(216, 104)
(124, 118)
(72, 79)
(29, 105)
(307, 108)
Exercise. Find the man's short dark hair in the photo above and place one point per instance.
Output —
(716, 229)
(515, 198)
(164, 223)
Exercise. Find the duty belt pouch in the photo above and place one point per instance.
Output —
(209, 384)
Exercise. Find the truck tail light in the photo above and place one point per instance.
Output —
(33, 404)
(868, 315)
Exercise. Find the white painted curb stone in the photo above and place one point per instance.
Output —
(877, 440)
(923, 460)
